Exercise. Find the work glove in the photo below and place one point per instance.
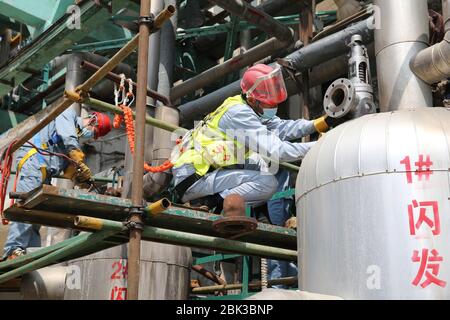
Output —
(76, 155)
(79, 172)
(83, 173)
(323, 124)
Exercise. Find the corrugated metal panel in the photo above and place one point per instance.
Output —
(165, 273)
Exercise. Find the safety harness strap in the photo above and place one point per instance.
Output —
(30, 153)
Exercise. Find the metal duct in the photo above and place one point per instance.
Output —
(44, 284)
(329, 47)
(104, 89)
(209, 76)
(257, 17)
(433, 64)
(395, 46)
(307, 57)
(154, 52)
(162, 139)
(271, 7)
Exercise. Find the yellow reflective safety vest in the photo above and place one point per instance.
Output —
(206, 146)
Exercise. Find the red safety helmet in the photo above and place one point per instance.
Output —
(101, 123)
(264, 84)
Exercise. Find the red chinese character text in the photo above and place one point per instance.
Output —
(420, 171)
(118, 293)
(423, 168)
(432, 221)
(427, 264)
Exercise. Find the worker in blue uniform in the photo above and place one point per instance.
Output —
(206, 168)
(36, 166)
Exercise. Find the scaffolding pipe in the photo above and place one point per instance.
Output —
(209, 76)
(395, 47)
(134, 247)
(257, 17)
(191, 240)
(289, 281)
(116, 79)
(77, 244)
(307, 57)
(433, 63)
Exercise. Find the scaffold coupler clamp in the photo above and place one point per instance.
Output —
(148, 20)
(131, 225)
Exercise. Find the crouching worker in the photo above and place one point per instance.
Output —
(60, 137)
(220, 156)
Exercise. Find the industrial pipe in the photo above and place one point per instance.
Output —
(257, 17)
(307, 57)
(45, 284)
(192, 240)
(209, 76)
(163, 141)
(433, 64)
(116, 79)
(395, 46)
(290, 281)
(32, 125)
(330, 47)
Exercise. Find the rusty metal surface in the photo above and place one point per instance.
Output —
(49, 202)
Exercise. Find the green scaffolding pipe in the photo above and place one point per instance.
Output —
(191, 240)
(107, 107)
(78, 244)
(22, 260)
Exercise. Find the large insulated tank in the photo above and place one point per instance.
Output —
(373, 201)
(165, 274)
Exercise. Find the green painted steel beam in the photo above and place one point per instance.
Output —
(101, 45)
(196, 240)
(25, 259)
(53, 43)
(29, 12)
(214, 258)
(9, 119)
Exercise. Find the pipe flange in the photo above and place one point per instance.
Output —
(340, 98)
(234, 225)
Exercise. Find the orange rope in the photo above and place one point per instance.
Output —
(127, 117)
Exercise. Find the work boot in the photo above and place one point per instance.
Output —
(212, 202)
(16, 253)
